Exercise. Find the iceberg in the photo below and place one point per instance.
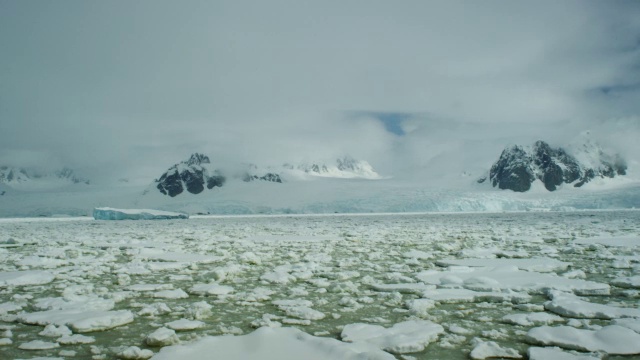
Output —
(106, 213)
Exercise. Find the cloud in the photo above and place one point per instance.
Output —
(117, 86)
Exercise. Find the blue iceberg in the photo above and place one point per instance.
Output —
(106, 213)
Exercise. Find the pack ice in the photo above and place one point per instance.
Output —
(409, 286)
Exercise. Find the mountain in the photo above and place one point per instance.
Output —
(193, 175)
(38, 179)
(197, 173)
(344, 168)
(519, 166)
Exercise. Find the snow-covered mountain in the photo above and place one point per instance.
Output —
(197, 173)
(520, 166)
(343, 168)
(192, 175)
(38, 179)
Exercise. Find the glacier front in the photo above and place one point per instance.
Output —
(106, 213)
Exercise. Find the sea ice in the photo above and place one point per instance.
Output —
(532, 319)
(79, 320)
(532, 264)
(75, 339)
(272, 344)
(569, 305)
(405, 337)
(464, 295)
(619, 241)
(162, 337)
(511, 278)
(184, 325)
(171, 294)
(489, 349)
(107, 213)
(612, 339)
(135, 353)
(23, 278)
(210, 289)
(555, 353)
(38, 345)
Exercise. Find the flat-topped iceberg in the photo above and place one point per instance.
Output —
(106, 213)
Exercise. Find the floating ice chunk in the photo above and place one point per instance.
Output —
(518, 280)
(465, 295)
(417, 254)
(417, 288)
(40, 262)
(183, 258)
(75, 339)
(532, 319)
(199, 310)
(619, 241)
(135, 353)
(149, 287)
(572, 306)
(489, 349)
(184, 325)
(22, 278)
(533, 264)
(405, 337)
(76, 304)
(250, 258)
(55, 331)
(38, 345)
(107, 213)
(633, 324)
(79, 321)
(612, 339)
(555, 353)
(300, 309)
(5, 341)
(162, 337)
(272, 343)
(154, 309)
(10, 307)
(171, 294)
(627, 282)
(210, 289)
(420, 307)
(278, 277)
(303, 312)
(292, 302)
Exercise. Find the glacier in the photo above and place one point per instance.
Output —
(106, 213)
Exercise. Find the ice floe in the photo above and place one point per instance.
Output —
(272, 343)
(23, 278)
(555, 353)
(570, 305)
(532, 264)
(612, 339)
(404, 337)
(510, 278)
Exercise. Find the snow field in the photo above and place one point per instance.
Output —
(456, 286)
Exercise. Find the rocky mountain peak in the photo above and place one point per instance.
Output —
(518, 167)
(193, 175)
(197, 159)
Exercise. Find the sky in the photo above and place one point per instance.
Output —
(132, 87)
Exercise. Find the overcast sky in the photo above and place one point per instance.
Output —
(110, 84)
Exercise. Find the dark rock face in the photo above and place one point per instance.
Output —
(271, 177)
(513, 170)
(170, 184)
(190, 175)
(517, 168)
